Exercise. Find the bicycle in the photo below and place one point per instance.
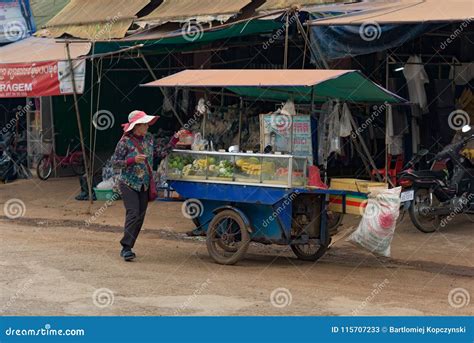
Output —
(73, 159)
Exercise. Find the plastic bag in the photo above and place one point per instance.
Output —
(333, 130)
(345, 122)
(377, 227)
(199, 144)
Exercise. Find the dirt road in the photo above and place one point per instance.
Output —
(63, 268)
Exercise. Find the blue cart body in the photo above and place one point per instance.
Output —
(266, 210)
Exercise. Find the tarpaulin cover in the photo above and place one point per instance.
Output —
(298, 84)
(34, 49)
(184, 10)
(407, 12)
(182, 41)
(16, 21)
(348, 40)
(92, 19)
(271, 5)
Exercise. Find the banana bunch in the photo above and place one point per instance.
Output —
(200, 164)
(252, 167)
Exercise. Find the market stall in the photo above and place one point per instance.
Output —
(236, 197)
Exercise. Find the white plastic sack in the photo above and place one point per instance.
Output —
(376, 229)
(106, 184)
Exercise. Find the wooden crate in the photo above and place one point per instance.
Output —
(355, 204)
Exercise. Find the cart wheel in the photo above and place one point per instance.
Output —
(227, 237)
(309, 252)
(334, 221)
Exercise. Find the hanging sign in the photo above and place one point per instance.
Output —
(20, 80)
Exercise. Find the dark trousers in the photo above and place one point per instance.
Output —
(135, 205)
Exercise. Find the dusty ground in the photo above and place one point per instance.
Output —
(53, 264)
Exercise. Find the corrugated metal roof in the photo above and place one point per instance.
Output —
(184, 10)
(45, 10)
(272, 5)
(93, 19)
(34, 49)
(408, 11)
(248, 78)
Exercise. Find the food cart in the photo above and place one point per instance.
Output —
(237, 197)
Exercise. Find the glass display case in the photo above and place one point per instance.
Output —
(239, 168)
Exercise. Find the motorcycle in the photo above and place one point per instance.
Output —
(433, 197)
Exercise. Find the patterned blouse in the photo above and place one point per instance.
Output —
(136, 175)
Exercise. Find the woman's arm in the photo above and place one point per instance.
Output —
(161, 151)
(119, 158)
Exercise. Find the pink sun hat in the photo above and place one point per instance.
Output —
(138, 117)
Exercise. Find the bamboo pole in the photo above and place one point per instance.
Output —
(285, 56)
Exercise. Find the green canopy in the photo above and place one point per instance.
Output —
(182, 41)
(280, 84)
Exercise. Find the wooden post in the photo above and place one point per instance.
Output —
(318, 51)
(79, 125)
(387, 162)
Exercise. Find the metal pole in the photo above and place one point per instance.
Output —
(241, 108)
(79, 125)
(285, 57)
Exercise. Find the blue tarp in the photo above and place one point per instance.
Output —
(16, 20)
(353, 40)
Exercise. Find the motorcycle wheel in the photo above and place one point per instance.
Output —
(424, 222)
(44, 168)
